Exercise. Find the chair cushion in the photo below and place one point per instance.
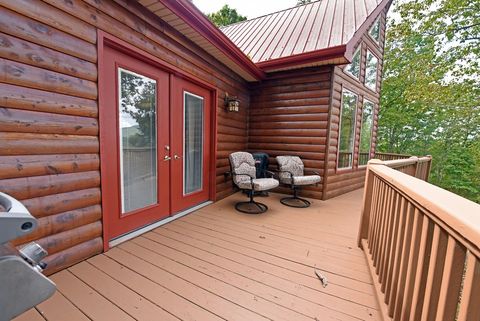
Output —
(242, 163)
(259, 184)
(306, 180)
(287, 165)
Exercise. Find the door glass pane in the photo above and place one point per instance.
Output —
(366, 133)
(193, 143)
(138, 136)
(347, 129)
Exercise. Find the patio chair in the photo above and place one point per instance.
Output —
(243, 173)
(291, 172)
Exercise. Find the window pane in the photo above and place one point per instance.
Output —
(366, 132)
(193, 144)
(138, 136)
(375, 31)
(371, 71)
(354, 67)
(347, 129)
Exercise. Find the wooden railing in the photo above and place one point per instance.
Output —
(422, 244)
(390, 156)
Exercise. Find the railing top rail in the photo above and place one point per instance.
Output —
(460, 215)
(404, 162)
(393, 154)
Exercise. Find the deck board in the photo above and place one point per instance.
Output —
(217, 264)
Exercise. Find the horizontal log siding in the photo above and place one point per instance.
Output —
(49, 145)
(289, 116)
(339, 182)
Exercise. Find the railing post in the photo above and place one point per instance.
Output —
(429, 167)
(415, 167)
(367, 202)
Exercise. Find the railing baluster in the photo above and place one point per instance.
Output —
(378, 217)
(404, 259)
(422, 269)
(469, 309)
(435, 272)
(382, 228)
(397, 231)
(411, 275)
(388, 240)
(451, 280)
(398, 256)
(373, 211)
(407, 263)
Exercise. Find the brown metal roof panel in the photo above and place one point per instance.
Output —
(278, 35)
(255, 34)
(336, 33)
(317, 28)
(360, 12)
(325, 32)
(349, 26)
(287, 33)
(307, 30)
(371, 5)
(247, 32)
(269, 36)
(258, 40)
(300, 32)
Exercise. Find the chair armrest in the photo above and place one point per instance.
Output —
(312, 173)
(249, 176)
(291, 175)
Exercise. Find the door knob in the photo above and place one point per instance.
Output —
(167, 158)
(176, 157)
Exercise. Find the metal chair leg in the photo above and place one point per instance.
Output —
(295, 200)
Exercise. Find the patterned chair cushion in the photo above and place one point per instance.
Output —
(294, 165)
(242, 163)
(259, 184)
(306, 180)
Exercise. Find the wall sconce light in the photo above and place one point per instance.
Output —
(232, 104)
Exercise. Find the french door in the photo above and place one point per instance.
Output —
(155, 144)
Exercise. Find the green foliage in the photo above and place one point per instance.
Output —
(431, 90)
(225, 16)
(302, 2)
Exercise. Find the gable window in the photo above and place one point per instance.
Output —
(347, 129)
(366, 132)
(374, 31)
(371, 71)
(354, 67)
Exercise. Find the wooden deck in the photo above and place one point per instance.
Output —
(218, 264)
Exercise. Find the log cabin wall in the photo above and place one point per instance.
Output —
(289, 116)
(49, 145)
(341, 181)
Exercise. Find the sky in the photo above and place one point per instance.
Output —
(248, 8)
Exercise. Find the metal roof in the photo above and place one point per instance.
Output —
(314, 27)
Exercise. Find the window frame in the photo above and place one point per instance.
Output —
(375, 90)
(358, 51)
(350, 168)
(365, 100)
(377, 21)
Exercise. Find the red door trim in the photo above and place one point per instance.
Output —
(106, 39)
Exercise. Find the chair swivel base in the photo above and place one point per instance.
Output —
(295, 201)
(251, 207)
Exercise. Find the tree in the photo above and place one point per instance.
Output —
(430, 100)
(302, 2)
(225, 16)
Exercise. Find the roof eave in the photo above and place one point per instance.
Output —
(192, 16)
(304, 58)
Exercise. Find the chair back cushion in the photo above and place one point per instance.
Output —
(242, 163)
(292, 164)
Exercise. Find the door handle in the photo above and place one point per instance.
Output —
(177, 157)
(167, 158)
